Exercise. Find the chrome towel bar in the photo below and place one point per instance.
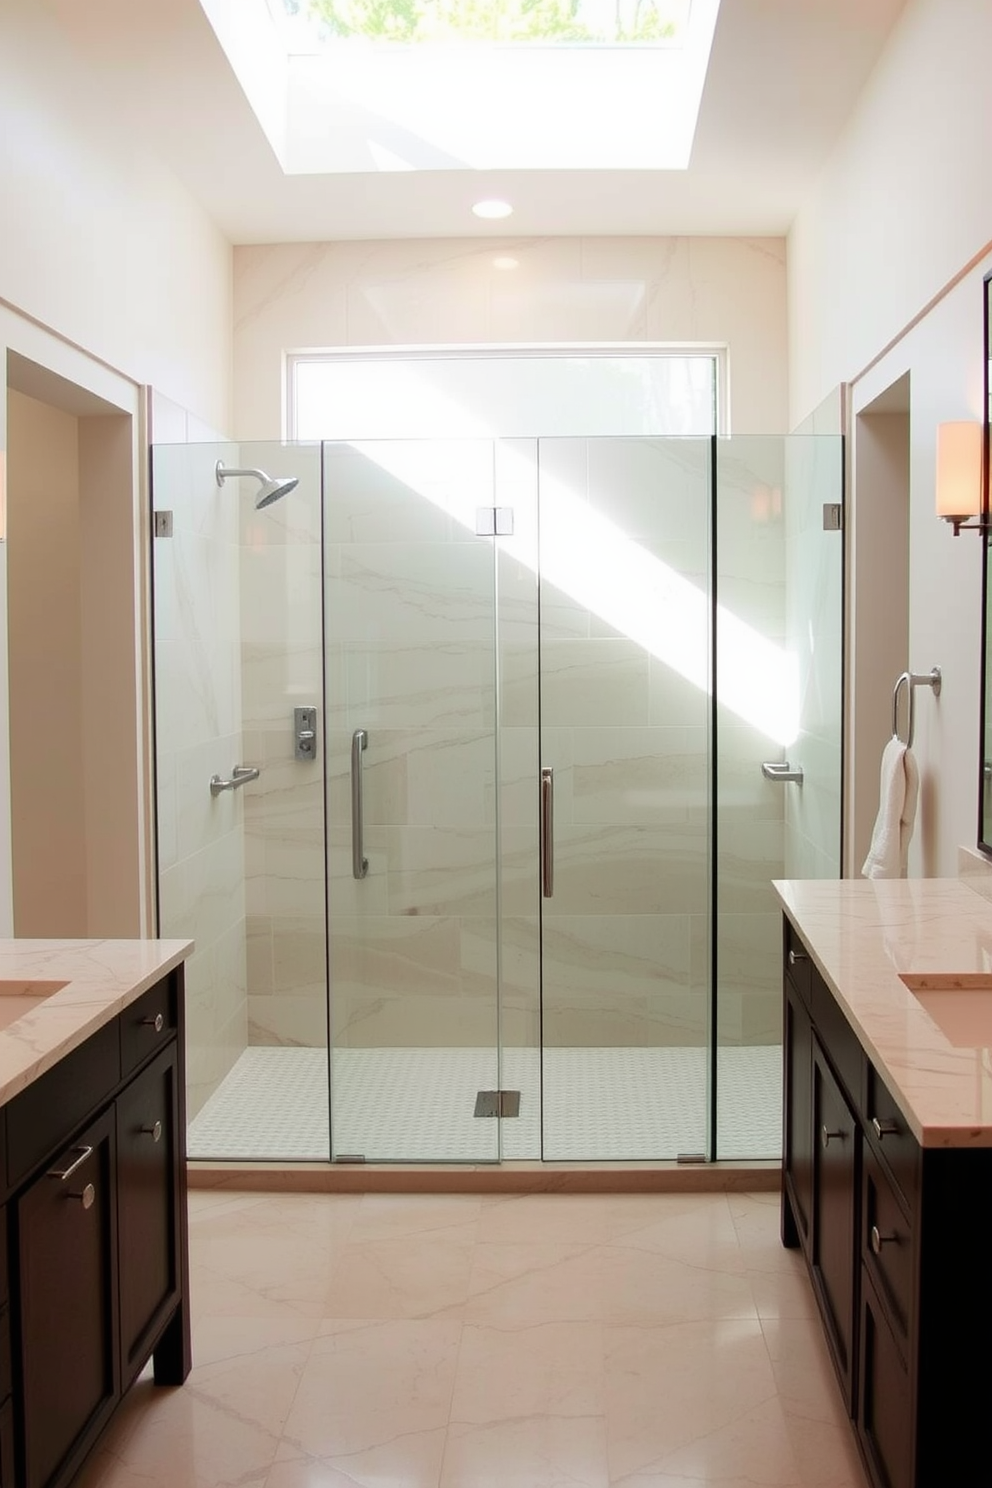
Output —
(911, 681)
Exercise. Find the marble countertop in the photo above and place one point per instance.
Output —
(82, 985)
(932, 1045)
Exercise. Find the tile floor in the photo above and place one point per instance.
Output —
(417, 1105)
(552, 1341)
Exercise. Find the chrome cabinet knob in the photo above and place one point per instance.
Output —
(878, 1239)
(87, 1197)
(884, 1128)
(158, 1022)
(826, 1137)
(795, 956)
(154, 1131)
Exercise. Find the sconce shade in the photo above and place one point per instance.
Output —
(959, 471)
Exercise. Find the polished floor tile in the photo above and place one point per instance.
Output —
(450, 1341)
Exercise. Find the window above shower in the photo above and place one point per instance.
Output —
(510, 395)
(343, 86)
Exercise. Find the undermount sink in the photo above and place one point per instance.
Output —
(959, 1002)
(21, 996)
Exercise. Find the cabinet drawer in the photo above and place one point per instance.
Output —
(40, 1117)
(887, 1243)
(797, 961)
(147, 1024)
(892, 1139)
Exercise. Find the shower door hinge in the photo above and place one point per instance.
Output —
(163, 524)
(833, 516)
(494, 521)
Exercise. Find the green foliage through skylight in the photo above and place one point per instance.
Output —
(602, 22)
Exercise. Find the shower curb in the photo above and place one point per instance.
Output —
(570, 1178)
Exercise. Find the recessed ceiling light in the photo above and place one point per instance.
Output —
(505, 262)
(492, 209)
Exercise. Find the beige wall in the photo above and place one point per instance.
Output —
(900, 207)
(731, 291)
(46, 762)
(105, 246)
(106, 262)
(898, 215)
(75, 799)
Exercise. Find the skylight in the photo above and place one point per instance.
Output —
(404, 85)
(317, 23)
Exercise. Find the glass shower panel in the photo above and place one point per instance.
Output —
(778, 669)
(409, 591)
(237, 648)
(625, 642)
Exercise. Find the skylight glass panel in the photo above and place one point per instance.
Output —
(503, 22)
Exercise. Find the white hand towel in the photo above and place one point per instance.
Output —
(899, 789)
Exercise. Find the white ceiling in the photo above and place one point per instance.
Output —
(784, 77)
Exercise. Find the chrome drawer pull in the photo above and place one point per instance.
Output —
(87, 1198)
(154, 1131)
(158, 1022)
(67, 1172)
(795, 956)
(878, 1239)
(884, 1128)
(826, 1137)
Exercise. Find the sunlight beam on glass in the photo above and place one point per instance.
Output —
(590, 559)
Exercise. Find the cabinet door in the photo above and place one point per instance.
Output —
(885, 1416)
(147, 1114)
(66, 1306)
(797, 1199)
(835, 1211)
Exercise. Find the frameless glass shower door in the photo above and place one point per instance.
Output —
(625, 666)
(412, 842)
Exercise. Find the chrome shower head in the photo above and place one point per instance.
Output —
(272, 486)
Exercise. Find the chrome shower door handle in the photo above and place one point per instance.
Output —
(547, 833)
(359, 862)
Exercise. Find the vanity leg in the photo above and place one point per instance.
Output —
(790, 1230)
(173, 1358)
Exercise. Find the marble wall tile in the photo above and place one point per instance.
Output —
(299, 1020)
(638, 775)
(401, 684)
(585, 681)
(673, 700)
(203, 817)
(417, 777)
(413, 592)
(167, 819)
(441, 870)
(628, 870)
(420, 491)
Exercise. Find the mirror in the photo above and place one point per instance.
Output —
(985, 742)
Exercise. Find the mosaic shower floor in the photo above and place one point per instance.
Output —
(417, 1105)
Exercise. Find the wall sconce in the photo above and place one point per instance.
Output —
(959, 476)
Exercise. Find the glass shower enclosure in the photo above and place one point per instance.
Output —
(500, 889)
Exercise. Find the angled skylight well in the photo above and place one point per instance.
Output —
(401, 85)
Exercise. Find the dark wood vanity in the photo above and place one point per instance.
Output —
(897, 1238)
(93, 1237)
